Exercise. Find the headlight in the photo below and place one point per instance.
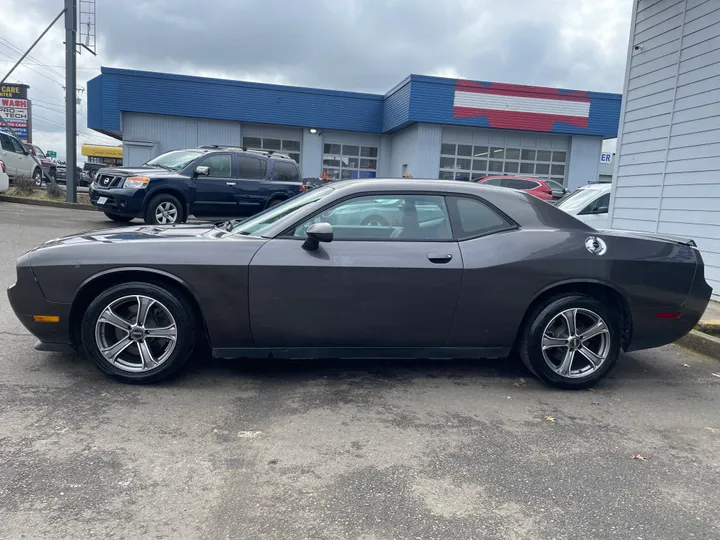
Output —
(140, 182)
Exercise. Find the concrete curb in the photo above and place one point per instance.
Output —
(55, 204)
(701, 343)
(709, 327)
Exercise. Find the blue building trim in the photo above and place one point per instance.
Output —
(417, 99)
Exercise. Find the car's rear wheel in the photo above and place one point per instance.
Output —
(116, 217)
(164, 209)
(274, 202)
(571, 341)
(139, 332)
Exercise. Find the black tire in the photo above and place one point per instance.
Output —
(163, 199)
(531, 338)
(37, 177)
(274, 202)
(53, 175)
(119, 219)
(174, 301)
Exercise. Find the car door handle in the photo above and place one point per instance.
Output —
(439, 258)
(230, 183)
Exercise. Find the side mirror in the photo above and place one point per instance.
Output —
(202, 170)
(316, 233)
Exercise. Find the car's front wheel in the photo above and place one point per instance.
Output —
(37, 177)
(139, 332)
(116, 217)
(571, 341)
(164, 209)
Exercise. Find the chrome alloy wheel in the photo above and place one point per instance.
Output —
(576, 342)
(166, 213)
(136, 333)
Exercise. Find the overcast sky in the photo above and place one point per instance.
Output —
(361, 45)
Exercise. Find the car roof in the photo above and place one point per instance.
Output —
(597, 187)
(514, 177)
(269, 154)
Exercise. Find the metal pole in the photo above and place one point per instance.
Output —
(32, 46)
(70, 103)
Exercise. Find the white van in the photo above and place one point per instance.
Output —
(589, 204)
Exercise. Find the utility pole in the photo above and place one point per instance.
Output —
(70, 102)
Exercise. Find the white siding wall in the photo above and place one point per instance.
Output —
(667, 176)
(404, 151)
(311, 154)
(584, 164)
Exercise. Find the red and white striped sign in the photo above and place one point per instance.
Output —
(514, 106)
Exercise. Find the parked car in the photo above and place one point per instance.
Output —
(558, 190)
(589, 204)
(487, 272)
(49, 169)
(18, 160)
(205, 182)
(81, 177)
(4, 179)
(533, 186)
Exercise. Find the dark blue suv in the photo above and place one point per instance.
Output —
(205, 182)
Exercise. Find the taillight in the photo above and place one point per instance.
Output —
(2, 166)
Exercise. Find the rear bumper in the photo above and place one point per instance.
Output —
(27, 301)
(124, 202)
(651, 328)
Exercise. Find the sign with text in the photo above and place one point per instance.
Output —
(15, 112)
(13, 91)
(606, 157)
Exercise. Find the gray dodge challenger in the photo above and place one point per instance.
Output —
(372, 268)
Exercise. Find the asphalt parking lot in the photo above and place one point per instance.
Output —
(351, 450)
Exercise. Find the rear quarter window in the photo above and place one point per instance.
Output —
(286, 172)
(251, 168)
(520, 184)
(471, 218)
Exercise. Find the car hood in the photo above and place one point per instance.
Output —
(136, 171)
(143, 233)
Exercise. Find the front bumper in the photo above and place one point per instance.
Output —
(27, 301)
(124, 202)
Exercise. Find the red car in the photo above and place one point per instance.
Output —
(533, 186)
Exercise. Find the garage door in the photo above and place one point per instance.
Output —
(473, 154)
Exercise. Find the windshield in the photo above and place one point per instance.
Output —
(258, 224)
(175, 160)
(578, 200)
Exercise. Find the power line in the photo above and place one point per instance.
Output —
(53, 65)
(17, 49)
(34, 70)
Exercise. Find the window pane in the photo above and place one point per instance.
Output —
(462, 175)
(252, 142)
(464, 150)
(272, 144)
(447, 149)
(368, 151)
(511, 166)
(543, 155)
(350, 162)
(512, 153)
(366, 174)
(368, 164)
(542, 168)
(251, 167)
(331, 161)
(479, 165)
(527, 168)
(497, 153)
(345, 175)
(220, 166)
(493, 182)
(480, 151)
(332, 148)
(462, 163)
(446, 175)
(528, 155)
(296, 157)
(286, 172)
(392, 218)
(350, 150)
(476, 218)
(495, 166)
(292, 146)
(332, 174)
(559, 181)
(559, 157)
(557, 170)
(515, 183)
(447, 163)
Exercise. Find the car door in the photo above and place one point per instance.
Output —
(253, 186)
(8, 155)
(384, 283)
(595, 213)
(25, 161)
(214, 192)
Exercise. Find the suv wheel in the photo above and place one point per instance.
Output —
(37, 177)
(164, 209)
(571, 341)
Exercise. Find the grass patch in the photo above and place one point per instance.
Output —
(37, 194)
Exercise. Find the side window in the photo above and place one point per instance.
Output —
(391, 217)
(19, 148)
(474, 218)
(7, 144)
(515, 183)
(220, 165)
(494, 182)
(598, 206)
(251, 168)
(286, 172)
